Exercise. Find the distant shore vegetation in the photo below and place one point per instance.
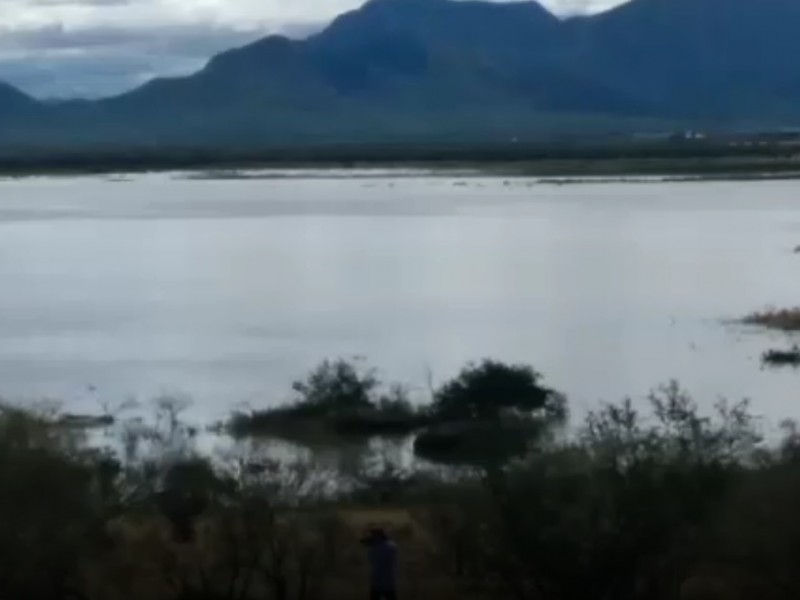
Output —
(605, 157)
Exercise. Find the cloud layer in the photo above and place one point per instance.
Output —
(88, 48)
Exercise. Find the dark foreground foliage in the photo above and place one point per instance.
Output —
(664, 504)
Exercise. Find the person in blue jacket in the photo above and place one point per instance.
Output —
(382, 557)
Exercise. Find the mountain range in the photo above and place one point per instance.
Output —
(456, 70)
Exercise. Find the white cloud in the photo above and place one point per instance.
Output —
(99, 47)
(579, 7)
(24, 14)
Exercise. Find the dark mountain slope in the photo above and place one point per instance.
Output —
(438, 54)
(701, 58)
(395, 67)
(14, 105)
(23, 120)
(443, 69)
(13, 100)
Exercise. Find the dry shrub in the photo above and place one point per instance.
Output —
(786, 319)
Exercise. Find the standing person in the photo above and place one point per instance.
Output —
(382, 556)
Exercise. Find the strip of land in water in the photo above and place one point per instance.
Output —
(560, 162)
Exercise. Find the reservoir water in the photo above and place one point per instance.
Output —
(226, 290)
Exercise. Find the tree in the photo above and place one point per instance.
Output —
(485, 390)
(337, 387)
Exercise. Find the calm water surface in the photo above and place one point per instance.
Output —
(227, 290)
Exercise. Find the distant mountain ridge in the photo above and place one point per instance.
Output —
(444, 69)
(15, 104)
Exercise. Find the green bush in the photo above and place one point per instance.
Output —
(490, 412)
(337, 386)
(337, 397)
(487, 389)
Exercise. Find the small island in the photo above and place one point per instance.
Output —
(489, 410)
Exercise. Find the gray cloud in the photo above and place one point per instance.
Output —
(53, 62)
(45, 3)
(185, 40)
(90, 48)
(579, 7)
(87, 76)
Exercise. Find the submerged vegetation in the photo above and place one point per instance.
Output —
(664, 503)
(337, 397)
(779, 358)
(490, 409)
(787, 319)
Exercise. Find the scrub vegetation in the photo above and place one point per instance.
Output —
(666, 502)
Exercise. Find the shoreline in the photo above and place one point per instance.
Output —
(399, 172)
(675, 161)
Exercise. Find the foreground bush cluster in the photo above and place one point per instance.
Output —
(667, 503)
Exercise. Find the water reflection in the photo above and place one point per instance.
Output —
(228, 290)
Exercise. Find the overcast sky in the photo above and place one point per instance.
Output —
(67, 48)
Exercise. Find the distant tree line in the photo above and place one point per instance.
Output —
(675, 155)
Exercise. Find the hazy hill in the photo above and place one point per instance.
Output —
(14, 105)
